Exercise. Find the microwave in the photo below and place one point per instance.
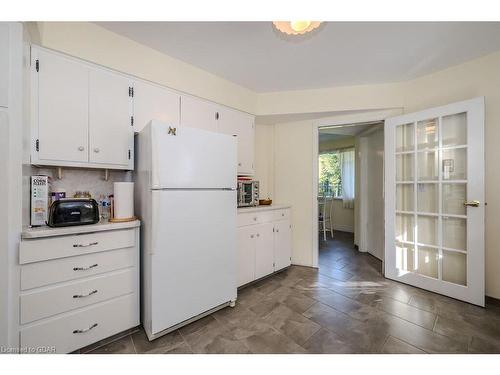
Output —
(248, 193)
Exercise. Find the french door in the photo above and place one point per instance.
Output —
(434, 200)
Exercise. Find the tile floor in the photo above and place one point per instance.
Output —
(345, 307)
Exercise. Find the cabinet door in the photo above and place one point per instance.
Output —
(60, 108)
(282, 244)
(264, 253)
(110, 127)
(246, 254)
(241, 125)
(197, 113)
(152, 102)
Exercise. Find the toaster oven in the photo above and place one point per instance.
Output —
(248, 193)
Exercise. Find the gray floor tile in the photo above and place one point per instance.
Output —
(164, 344)
(292, 324)
(396, 346)
(120, 346)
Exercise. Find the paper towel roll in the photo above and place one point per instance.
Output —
(123, 200)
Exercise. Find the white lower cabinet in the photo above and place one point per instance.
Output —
(69, 302)
(264, 253)
(264, 243)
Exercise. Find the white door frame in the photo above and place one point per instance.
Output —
(341, 120)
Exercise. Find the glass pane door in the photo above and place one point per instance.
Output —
(430, 216)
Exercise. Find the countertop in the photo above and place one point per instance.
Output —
(242, 210)
(40, 232)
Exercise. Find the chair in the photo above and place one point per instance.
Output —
(325, 216)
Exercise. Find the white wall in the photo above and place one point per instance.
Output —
(12, 174)
(264, 159)
(371, 193)
(4, 224)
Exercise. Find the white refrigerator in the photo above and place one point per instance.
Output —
(186, 198)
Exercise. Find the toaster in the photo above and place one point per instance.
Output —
(67, 212)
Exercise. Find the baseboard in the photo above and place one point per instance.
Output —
(492, 301)
(343, 228)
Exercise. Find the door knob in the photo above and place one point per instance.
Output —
(80, 148)
(96, 150)
(472, 204)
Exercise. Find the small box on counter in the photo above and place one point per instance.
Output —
(40, 199)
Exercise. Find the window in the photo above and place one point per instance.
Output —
(330, 175)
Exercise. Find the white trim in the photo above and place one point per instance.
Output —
(362, 117)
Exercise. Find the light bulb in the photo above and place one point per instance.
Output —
(300, 25)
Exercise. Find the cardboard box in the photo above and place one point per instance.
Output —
(40, 199)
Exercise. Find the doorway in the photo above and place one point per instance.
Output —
(350, 202)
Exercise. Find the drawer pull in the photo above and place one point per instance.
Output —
(85, 330)
(85, 268)
(85, 295)
(87, 245)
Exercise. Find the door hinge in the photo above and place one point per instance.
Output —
(217, 115)
(129, 154)
(37, 145)
(37, 65)
(131, 120)
(131, 92)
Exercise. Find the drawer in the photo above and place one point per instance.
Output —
(37, 250)
(51, 301)
(84, 327)
(282, 215)
(255, 218)
(38, 274)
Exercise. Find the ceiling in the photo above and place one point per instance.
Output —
(257, 56)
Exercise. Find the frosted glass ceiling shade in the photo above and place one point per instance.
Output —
(296, 27)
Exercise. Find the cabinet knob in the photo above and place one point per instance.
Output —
(239, 164)
(251, 236)
(254, 219)
(258, 235)
(277, 230)
(81, 148)
(96, 150)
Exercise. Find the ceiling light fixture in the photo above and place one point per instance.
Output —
(296, 27)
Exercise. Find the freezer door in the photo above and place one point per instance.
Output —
(185, 157)
(193, 254)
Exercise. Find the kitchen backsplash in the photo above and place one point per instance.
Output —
(91, 180)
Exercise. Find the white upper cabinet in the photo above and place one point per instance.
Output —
(81, 114)
(153, 102)
(111, 134)
(240, 125)
(60, 106)
(4, 64)
(198, 113)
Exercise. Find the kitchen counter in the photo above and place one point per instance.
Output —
(242, 210)
(40, 232)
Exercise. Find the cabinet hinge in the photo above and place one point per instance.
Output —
(216, 115)
(273, 230)
(129, 153)
(131, 92)
(274, 264)
(131, 120)
(37, 65)
(37, 145)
